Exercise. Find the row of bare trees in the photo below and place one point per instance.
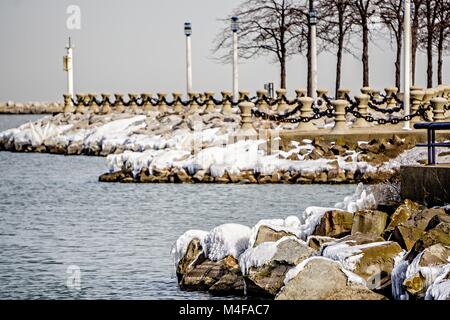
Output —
(280, 30)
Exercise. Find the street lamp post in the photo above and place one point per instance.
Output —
(235, 29)
(313, 57)
(188, 33)
(68, 67)
(407, 61)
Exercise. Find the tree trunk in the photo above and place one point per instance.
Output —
(440, 51)
(365, 54)
(398, 59)
(309, 56)
(429, 46)
(339, 55)
(283, 73)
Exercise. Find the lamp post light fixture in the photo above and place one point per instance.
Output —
(188, 33)
(313, 57)
(235, 29)
(68, 67)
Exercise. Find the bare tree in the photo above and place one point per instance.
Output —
(336, 14)
(363, 12)
(431, 12)
(391, 15)
(415, 30)
(442, 33)
(267, 27)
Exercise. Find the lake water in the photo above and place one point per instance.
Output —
(56, 217)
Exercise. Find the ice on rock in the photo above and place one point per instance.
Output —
(352, 278)
(360, 200)
(347, 255)
(226, 240)
(440, 289)
(261, 254)
(398, 276)
(180, 247)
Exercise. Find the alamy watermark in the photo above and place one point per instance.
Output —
(73, 281)
(73, 21)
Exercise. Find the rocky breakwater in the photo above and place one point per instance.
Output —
(12, 107)
(249, 162)
(351, 252)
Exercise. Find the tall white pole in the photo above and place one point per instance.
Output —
(314, 60)
(407, 61)
(69, 67)
(234, 29)
(235, 68)
(188, 33)
(188, 64)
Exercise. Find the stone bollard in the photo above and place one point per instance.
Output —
(282, 106)
(262, 104)
(247, 131)
(321, 93)
(210, 106)
(376, 94)
(306, 112)
(363, 105)
(147, 105)
(118, 103)
(132, 102)
(429, 94)
(193, 107)
(243, 95)
(93, 107)
(80, 99)
(441, 91)
(447, 92)
(162, 105)
(68, 105)
(390, 93)
(339, 121)
(367, 90)
(226, 105)
(301, 92)
(438, 109)
(106, 105)
(415, 88)
(177, 107)
(416, 99)
(342, 94)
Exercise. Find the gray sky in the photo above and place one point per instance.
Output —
(139, 46)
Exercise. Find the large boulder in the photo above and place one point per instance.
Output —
(372, 261)
(194, 255)
(425, 268)
(403, 213)
(315, 242)
(266, 265)
(223, 276)
(335, 224)
(268, 234)
(323, 279)
(369, 221)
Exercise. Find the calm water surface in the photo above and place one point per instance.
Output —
(55, 214)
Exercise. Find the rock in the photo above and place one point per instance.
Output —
(433, 257)
(373, 261)
(338, 150)
(369, 221)
(194, 255)
(359, 238)
(248, 175)
(321, 177)
(335, 223)
(422, 218)
(209, 273)
(199, 176)
(403, 213)
(323, 279)
(112, 177)
(336, 175)
(406, 236)
(315, 242)
(264, 179)
(181, 176)
(267, 280)
(267, 234)
(75, 148)
(320, 143)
